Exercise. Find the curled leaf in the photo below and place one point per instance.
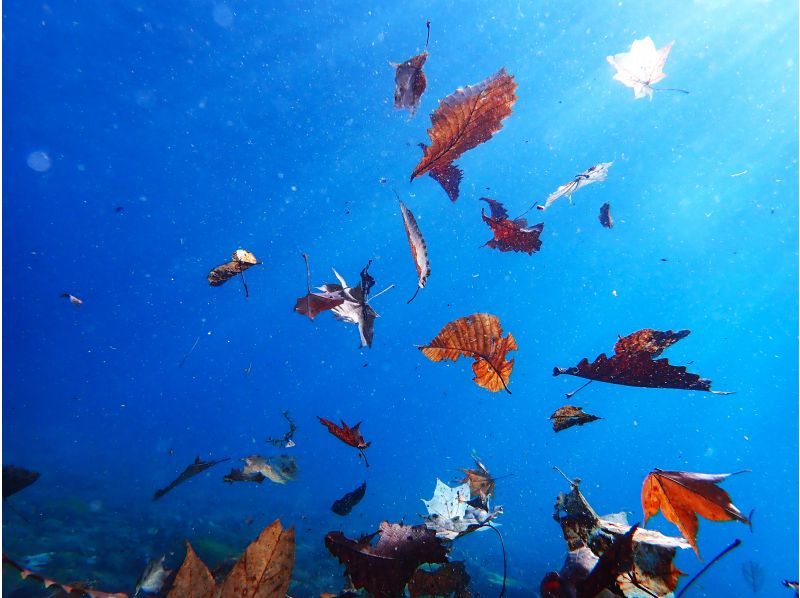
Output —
(313, 304)
(241, 260)
(594, 174)
(419, 250)
(192, 470)
(350, 436)
(568, 416)
(605, 216)
(72, 588)
(344, 505)
(410, 81)
(479, 336)
(511, 235)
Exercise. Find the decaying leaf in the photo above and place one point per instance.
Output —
(263, 571)
(633, 364)
(241, 260)
(511, 235)
(615, 561)
(410, 81)
(419, 250)
(153, 577)
(568, 416)
(350, 436)
(385, 568)
(449, 579)
(314, 303)
(588, 536)
(16, 479)
(479, 336)
(72, 299)
(192, 470)
(682, 496)
(595, 174)
(463, 120)
(605, 216)
(642, 67)
(344, 505)
(74, 589)
(481, 483)
(451, 513)
(279, 469)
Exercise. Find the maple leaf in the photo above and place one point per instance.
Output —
(465, 119)
(449, 579)
(642, 67)
(313, 304)
(595, 174)
(633, 364)
(568, 416)
(350, 436)
(605, 216)
(451, 514)
(241, 260)
(479, 336)
(192, 470)
(419, 250)
(682, 496)
(511, 235)
(410, 81)
(385, 568)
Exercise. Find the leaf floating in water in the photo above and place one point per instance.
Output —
(16, 479)
(312, 304)
(452, 512)
(344, 505)
(78, 589)
(634, 363)
(642, 67)
(596, 174)
(481, 483)
(241, 261)
(419, 250)
(568, 416)
(480, 337)
(410, 81)
(465, 119)
(350, 436)
(192, 470)
(153, 577)
(605, 216)
(280, 469)
(72, 299)
(511, 235)
(682, 496)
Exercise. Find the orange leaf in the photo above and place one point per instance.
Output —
(265, 568)
(479, 336)
(682, 496)
(464, 119)
(193, 580)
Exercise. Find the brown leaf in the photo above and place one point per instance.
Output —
(350, 436)
(634, 364)
(314, 303)
(568, 416)
(410, 81)
(193, 580)
(463, 120)
(682, 496)
(240, 261)
(605, 216)
(479, 336)
(265, 568)
(76, 589)
(192, 470)
(385, 568)
(511, 235)
(481, 483)
(419, 250)
(450, 579)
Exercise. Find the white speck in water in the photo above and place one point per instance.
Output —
(39, 161)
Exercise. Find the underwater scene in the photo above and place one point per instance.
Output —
(400, 299)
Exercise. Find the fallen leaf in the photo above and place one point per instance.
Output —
(344, 505)
(385, 568)
(605, 216)
(511, 235)
(463, 120)
(410, 81)
(642, 67)
(451, 514)
(449, 579)
(594, 174)
(313, 304)
(16, 479)
(153, 577)
(479, 336)
(682, 496)
(279, 469)
(350, 436)
(568, 416)
(616, 560)
(192, 470)
(75, 589)
(193, 578)
(241, 260)
(481, 483)
(419, 250)
(633, 364)
(355, 309)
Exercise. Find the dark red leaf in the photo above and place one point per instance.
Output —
(350, 436)
(511, 235)
(605, 216)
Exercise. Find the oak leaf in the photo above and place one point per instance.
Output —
(633, 364)
(511, 235)
(419, 250)
(385, 568)
(465, 119)
(479, 336)
(350, 436)
(568, 416)
(682, 496)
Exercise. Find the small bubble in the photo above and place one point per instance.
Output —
(39, 161)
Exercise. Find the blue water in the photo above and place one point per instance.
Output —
(270, 126)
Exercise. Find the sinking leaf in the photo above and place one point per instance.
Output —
(350, 436)
(479, 336)
(344, 505)
(449, 579)
(410, 81)
(279, 469)
(634, 364)
(463, 120)
(481, 483)
(241, 260)
(153, 577)
(72, 588)
(16, 479)
(595, 174)
(605, 216)
(72, 299)
(192, 470)
(355, 308)
(616, 560)
(451, 515)
(314, 303)
(682, 496)
(419, 251)
(511, 235)
(385, 568)
(642, 67)
(568, 416)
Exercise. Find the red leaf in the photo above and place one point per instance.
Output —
(511, 235)
(313, 304)
(464, 119)
(350, 436)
